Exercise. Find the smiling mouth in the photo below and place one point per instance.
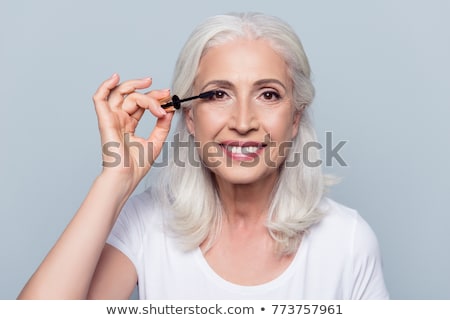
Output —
(242, 149)
(246, 149)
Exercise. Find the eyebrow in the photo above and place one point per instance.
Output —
(269, 81)
(219, 83)
(228, 84)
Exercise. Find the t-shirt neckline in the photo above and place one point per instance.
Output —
(260, 288)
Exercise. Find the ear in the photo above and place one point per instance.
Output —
(296, 122)
(189, 119)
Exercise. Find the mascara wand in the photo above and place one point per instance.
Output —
(175, 104)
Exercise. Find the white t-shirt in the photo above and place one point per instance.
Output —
(338, 258)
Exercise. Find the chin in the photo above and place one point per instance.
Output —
(244, 176)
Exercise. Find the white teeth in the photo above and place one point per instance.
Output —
(242, 150)
(249, 149)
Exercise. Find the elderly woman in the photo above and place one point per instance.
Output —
(235, 215)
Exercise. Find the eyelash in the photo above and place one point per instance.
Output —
(268, 95)
(218, 95)
(273, 94)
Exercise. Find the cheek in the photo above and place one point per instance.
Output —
(206, 124)
(280, 126)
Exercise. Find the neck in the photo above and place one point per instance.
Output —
(246, 203)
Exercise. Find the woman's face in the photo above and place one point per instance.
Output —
(244, 130)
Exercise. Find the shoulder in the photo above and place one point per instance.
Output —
(140, 218)
(337, 212)
(144, 205)
(140, 213)
(141, 201)
(343, 229)
(346, 239)
(344, 222)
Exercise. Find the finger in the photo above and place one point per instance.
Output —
(137, 115)
(160, 133)
(136, 101)
(117, 95)
(162, 96)
(100, 97)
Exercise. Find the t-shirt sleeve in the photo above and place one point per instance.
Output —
(127, 231)
(368, 279)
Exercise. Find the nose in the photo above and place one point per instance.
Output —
(243, 118)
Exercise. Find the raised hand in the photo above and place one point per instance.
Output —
(119, 109)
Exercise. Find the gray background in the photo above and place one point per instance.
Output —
(381, 70)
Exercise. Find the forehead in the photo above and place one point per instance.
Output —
(242, 59)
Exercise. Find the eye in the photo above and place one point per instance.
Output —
(271, 95)
(218, 95)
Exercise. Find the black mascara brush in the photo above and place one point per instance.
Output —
(175, 104)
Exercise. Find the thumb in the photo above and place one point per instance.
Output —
(160, 133)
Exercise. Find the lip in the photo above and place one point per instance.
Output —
(256, 147)
(236, 143)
